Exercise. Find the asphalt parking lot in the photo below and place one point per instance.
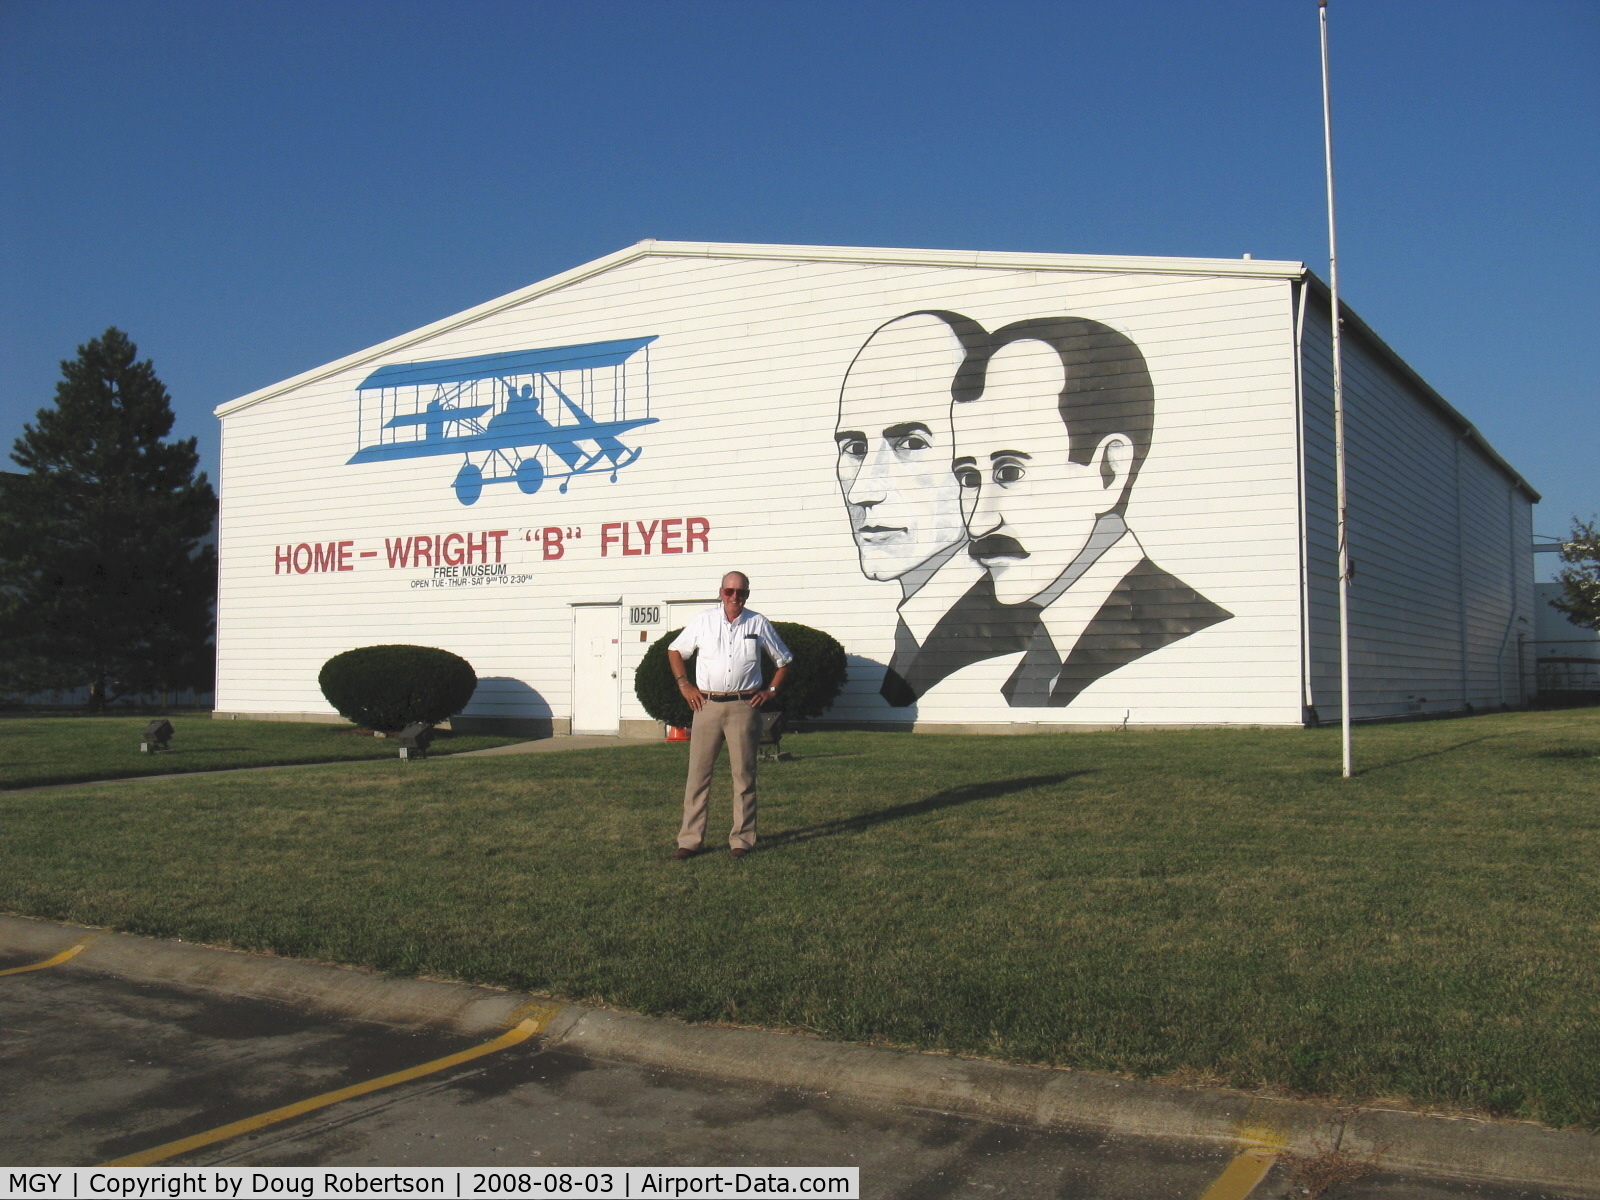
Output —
(95, 1068)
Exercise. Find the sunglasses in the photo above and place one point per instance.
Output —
(735, 591)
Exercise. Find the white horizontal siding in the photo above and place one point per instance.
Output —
(744, 381)
(1439, 544)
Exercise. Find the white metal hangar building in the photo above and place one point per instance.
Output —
(1025, 491)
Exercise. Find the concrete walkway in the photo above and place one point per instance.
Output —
(1488, 1151)
(581, 741)
(562, 741)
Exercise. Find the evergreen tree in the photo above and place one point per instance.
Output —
(1580, 579)
(104, 580)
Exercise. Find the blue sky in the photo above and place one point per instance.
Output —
(250, 189)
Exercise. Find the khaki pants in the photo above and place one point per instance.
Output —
(739, 725)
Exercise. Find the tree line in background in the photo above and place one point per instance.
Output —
(107, 566)
(1580, 578)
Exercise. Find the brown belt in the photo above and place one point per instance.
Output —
(724, 697)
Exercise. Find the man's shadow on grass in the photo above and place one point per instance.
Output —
(966, 793)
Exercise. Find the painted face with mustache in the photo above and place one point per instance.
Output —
(1029, 508)
(894, 446)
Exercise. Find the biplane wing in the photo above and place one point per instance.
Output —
(436, 416)
(562, 440)
(549, 360)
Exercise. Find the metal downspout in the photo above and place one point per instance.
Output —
(1308, 700)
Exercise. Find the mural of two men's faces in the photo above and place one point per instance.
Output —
(994, 469)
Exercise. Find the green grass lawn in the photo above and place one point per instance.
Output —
(42, 750)
(1205, 907)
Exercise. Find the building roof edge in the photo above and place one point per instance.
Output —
(991, 259)
(444, 325)
(1015, 260)
(1464, 427)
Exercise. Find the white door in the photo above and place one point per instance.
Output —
(596, 665)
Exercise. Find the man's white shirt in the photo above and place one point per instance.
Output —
(728, 653)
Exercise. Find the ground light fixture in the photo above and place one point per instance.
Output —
(156, 736)
(414, 740)
(772, 731)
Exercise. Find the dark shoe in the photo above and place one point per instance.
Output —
(737, 853)
(680, 854)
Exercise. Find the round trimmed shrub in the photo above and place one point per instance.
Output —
(655, 688)
(386, 688)
(816, 676)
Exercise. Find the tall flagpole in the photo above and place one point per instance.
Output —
(1338, 410)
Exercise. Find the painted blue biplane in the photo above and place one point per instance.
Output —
(531, 428)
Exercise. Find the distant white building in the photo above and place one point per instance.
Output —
(1025, 491)
(1567, 655)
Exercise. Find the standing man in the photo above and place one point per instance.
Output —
(726, 696)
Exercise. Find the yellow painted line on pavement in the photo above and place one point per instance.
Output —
(540, 1016)
(1264, 1138)
(56, 961)
(1242, 1175)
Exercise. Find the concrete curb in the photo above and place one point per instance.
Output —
(338, 991)
(1501, 1152)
